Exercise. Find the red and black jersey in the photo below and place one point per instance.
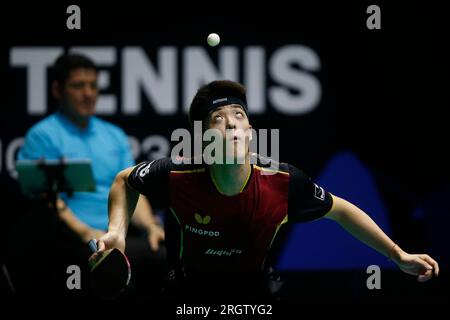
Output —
(226, 234)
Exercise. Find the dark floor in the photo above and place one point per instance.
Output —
(352, 285)
(319, 286)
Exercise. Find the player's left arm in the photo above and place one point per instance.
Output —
(361, 226)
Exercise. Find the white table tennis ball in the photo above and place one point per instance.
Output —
(213, 39)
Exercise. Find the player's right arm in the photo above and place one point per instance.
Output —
(121, 204)
(147, 178)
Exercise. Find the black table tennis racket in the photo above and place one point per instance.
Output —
(110, 272)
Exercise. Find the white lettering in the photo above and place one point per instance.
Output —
(296, 90)
(202, 232)
(35, 60)
(139, 74)
(199, 69)
(255, 79)
(307, 87)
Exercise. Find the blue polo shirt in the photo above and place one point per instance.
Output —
(104, 143)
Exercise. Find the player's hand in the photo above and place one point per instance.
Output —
(110, 240)
(155, 236)
(420, 265)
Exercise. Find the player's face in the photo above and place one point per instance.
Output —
(234, 126)
(80, 92)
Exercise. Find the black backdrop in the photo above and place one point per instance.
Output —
(383, 92)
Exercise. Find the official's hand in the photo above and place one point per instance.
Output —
(155, 236)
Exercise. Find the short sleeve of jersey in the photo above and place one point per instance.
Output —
(307, 200)
(151, 178)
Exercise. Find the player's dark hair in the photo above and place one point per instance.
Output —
(68, 62)
(213, 95)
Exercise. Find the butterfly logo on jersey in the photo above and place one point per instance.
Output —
(202, 220)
